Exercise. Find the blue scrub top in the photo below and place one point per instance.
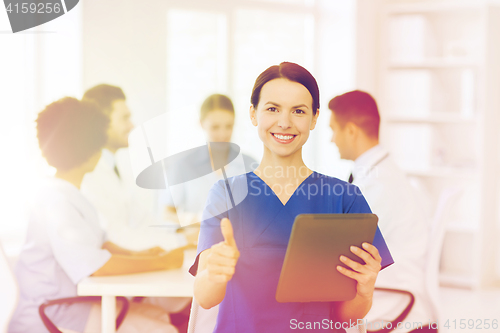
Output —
(262, 227)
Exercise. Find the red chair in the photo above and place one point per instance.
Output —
(53, 328)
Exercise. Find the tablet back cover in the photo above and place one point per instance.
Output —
(309, 271)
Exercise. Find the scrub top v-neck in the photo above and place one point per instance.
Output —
(262, 225)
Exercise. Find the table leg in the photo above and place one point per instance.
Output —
(108, 308)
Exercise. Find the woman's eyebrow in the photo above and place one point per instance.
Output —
(273, 103)
(293, 107)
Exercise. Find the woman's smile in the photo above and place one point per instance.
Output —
(283, 138)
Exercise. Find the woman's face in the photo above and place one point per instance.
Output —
(218, 125)
(284, 116)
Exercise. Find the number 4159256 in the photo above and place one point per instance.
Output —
(40, 8)
(472, 324)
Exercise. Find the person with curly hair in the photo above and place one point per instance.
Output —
(65, 242)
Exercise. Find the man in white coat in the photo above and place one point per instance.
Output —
(126, 210)
(355, 121)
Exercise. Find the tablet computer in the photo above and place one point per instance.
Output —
(309, 272)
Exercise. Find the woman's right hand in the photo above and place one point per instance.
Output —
(222, 257)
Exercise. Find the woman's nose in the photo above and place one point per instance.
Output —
(284, 121)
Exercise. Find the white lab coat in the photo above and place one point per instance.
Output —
(63, 245)
(127, 210)
(405, 228)
(127, 214)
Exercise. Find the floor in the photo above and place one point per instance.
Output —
(471, 308)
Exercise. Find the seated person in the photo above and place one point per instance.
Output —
(217, 121)
(355, 121)
(127, 209)
(124, 206)
(64, 241)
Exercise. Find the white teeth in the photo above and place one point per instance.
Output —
(283, 137)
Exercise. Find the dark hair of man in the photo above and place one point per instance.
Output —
(359, 108)
(104, 95)
(289, 71)
(216, 102)
(70, 131)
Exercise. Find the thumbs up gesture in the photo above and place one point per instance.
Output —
(222, 259)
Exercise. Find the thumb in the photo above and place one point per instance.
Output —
(227, 232)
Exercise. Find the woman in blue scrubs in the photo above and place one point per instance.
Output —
(248, 219)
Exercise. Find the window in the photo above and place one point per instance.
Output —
(222, 49)
(38, 67)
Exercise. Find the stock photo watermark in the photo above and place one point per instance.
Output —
(26, 14)
(455, 324)
(311, 190)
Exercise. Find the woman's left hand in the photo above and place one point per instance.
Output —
(365, 274)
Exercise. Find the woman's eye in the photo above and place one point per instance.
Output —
(300, 111)
(272, 109)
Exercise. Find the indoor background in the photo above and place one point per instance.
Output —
(433, 66)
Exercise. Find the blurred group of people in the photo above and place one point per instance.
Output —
(89, 220)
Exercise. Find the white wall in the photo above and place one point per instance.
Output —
(37, 67)
(124, 43)
(129, 49)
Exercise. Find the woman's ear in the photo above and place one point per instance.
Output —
(314, 120)
(253, 115)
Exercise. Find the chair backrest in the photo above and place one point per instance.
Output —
(202, 320)
(437, 231)
(9, 291)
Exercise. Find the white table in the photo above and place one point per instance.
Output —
(168, 283)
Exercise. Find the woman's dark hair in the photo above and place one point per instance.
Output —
(214, 102)
(104, 95)
(289, 71)
(70, 131)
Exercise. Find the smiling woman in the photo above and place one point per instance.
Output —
(282, 117)
(241, 250)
